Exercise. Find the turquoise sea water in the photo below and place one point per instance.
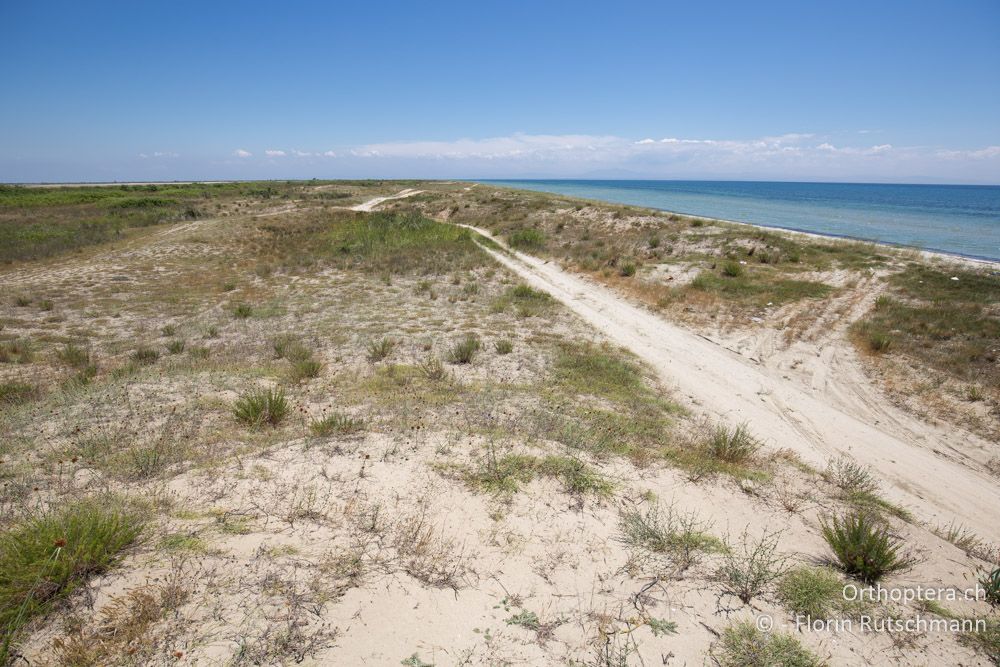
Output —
(957, 219)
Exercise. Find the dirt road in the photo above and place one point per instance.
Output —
(728, 386)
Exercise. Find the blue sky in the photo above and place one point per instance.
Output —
(858, 91)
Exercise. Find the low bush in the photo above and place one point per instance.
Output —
(863, 546)
(749, 571)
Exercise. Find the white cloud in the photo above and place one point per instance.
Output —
(146, 156)
(239, 152)
(794, 155)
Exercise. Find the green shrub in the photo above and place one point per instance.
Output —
(380, 349)
(176, 346)
(743, 645)
(261, 406)
(242, 311)
(863, 546)
(49, 556)
(504, 346)
(464, 350)
(732, 269)
(627, 269)
(732, 445)
(432, 369)
(879, 341)
(991, 584)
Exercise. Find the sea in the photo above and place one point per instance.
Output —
(955, 219)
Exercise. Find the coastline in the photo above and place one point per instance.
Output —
(926, 253)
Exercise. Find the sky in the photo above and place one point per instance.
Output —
(881, 91)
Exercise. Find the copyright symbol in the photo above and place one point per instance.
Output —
(765, 623)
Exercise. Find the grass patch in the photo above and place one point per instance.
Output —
(335, 424)
(527, 301)
(504, 346)
(401, 243)
(734, 445)
(950, 325)
(743, 645)
(526, 239)
(598, 371)
(815, 592)
(48, 557)
(74, 356)
(17, 351)
(757, 288)
(144, 356)
(464, 350)
(261, 407)
(15, 393)
(505, 474)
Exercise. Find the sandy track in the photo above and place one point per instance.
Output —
(728, 386)
(372, 203)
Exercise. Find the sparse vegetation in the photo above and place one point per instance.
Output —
(335, 424)
(679, 537)
(242, 311)
(750, 570)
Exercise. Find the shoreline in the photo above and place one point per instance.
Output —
(924, 252)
